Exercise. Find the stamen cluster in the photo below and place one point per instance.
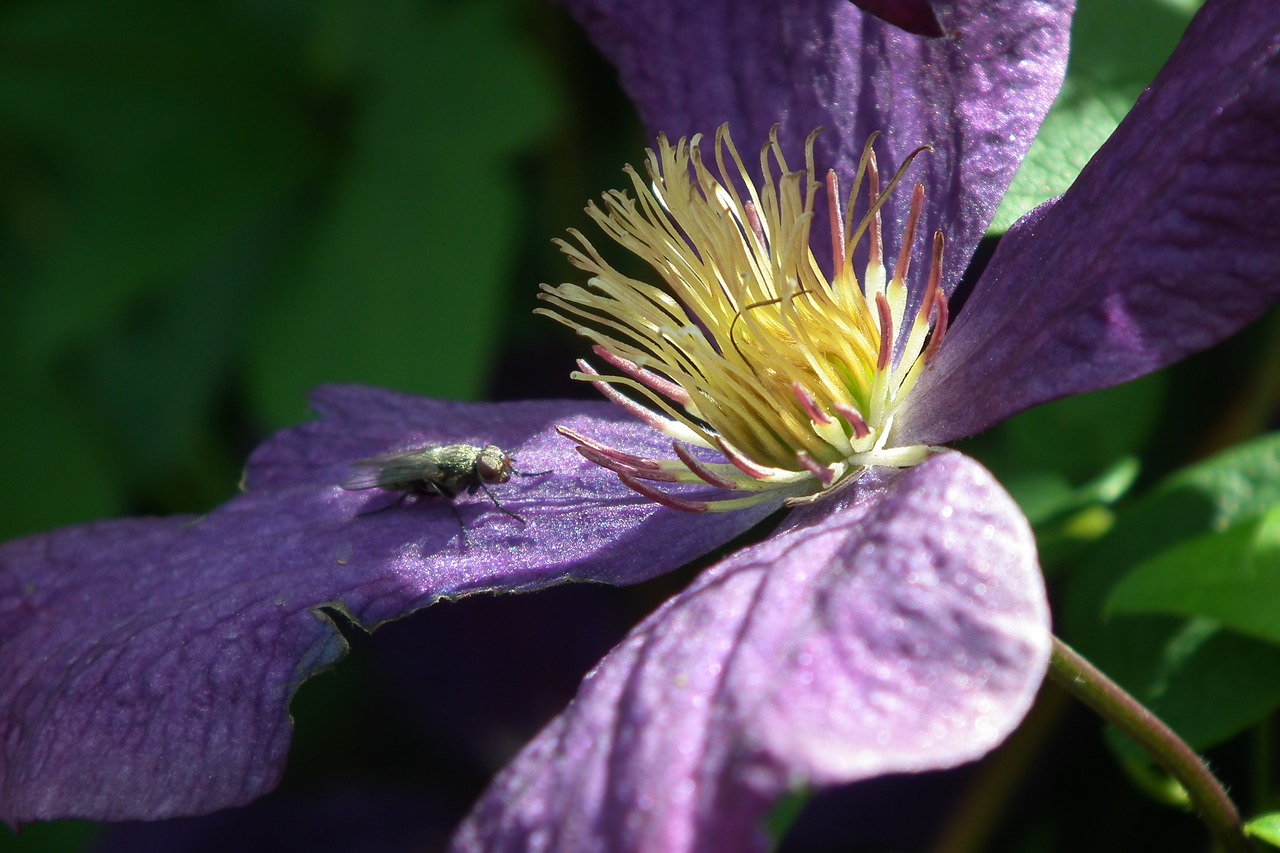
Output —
(750, 349)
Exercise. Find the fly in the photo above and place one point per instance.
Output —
(447, 470)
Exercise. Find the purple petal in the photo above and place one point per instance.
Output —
(1167, 243)
(904, 632)
(146, 665)
(978, 95)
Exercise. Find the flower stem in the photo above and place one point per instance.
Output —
(1088, 684)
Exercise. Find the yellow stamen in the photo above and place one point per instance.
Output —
(749, 349)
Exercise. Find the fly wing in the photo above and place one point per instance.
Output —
(393, 471)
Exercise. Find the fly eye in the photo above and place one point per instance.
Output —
(494, 467)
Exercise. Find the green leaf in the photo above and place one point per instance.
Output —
(1206, 682)
(58, 468)
(784, 813)
(62, 836)
(1199, 668)
(153, 383)
(143, 134)
(1265, 828)
(1066, 462)
(1116, 51)
(1232, 576)
(1078, 437)
(400, 276)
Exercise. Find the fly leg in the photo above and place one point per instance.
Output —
(500, 507)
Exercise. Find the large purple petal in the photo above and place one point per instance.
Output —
(904, 632)
(978, 95)
(146, 665)
(1167, 243)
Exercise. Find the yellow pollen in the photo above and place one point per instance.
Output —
(748, 349)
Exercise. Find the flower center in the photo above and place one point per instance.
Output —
(751, 350)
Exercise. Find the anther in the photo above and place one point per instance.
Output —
(659, 497)
(909, 234)
(874, 244)
(854, 418)
(645, 414)
(837, 222)
(740, 461)
(619, 456)
(698, 467)
(648, 378)
(809, 404)
(886, 331)
(939, 307)
(821, 473)
(753, 219)
(605, 460)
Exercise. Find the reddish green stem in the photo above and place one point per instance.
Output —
(1088, 684)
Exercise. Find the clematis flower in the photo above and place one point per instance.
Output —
(896, 623)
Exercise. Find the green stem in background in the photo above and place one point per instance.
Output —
(1088, 684)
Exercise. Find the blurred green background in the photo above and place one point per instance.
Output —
(208, 209)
